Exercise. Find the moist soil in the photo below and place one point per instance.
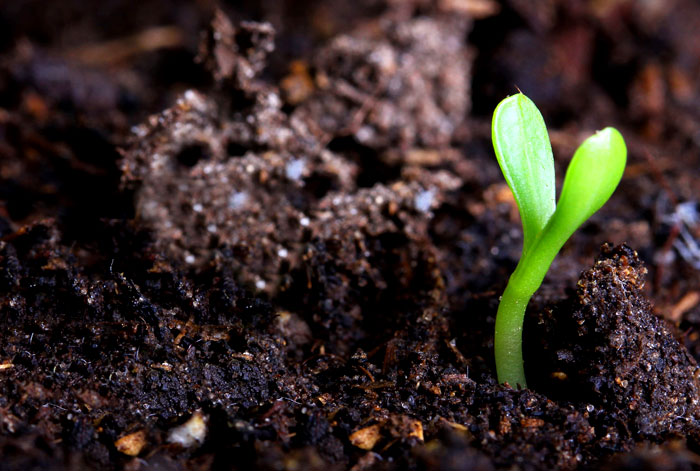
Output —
(273, 235)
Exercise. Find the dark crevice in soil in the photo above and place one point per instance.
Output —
(374, 169)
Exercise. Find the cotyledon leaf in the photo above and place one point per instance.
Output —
(591, 178)
(524, 154)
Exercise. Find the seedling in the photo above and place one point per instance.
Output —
(524, 154)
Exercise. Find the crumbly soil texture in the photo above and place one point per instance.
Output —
(273, 235)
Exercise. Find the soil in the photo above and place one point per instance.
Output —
(273, 235)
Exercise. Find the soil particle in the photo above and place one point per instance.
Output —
(236, 55)
(159, 380)
(206, 344)
(613, 351)
(250, 187)
(197, 196)
(367, 253)
(206, 172)
(400, 85)
(525, 427)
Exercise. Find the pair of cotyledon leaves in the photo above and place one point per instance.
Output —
(524, 153)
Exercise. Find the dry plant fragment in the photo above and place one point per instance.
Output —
(131, 444)
(367, 437)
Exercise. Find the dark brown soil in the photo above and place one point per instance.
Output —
(273, 235)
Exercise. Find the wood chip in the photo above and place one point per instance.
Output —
(477, 9)
(246, 356)
(121, 49)
(416, 429)
(454, 425)
(367, 437)
(298, 85)
(504, 427)
(531, 422)
(685, 304)
(375, 385)
(131, 444)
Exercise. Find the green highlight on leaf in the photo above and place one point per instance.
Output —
(524, 154)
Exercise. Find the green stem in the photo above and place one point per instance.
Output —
(525, 280)
(508, 339)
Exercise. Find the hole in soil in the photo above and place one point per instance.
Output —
(288, 108)
(244, 41)
(319, 184)
(235, 149)
(193, 153)
(240, 100)
(372, 169)
(237, 340)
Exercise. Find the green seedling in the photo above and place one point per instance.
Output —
(524, 154)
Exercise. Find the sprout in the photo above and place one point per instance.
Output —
(524, 154)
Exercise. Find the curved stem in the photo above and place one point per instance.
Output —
(525, 280)
(508, 339)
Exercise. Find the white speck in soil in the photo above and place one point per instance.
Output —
(295, 169)
(238, 199)
(424, 200)
(190, 433)
(364, 134)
